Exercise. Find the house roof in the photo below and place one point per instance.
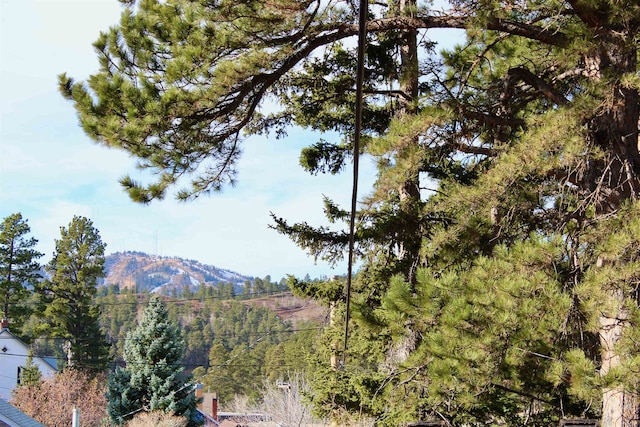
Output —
(8, 335)
(16, 418)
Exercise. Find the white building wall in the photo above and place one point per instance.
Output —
(13, 354)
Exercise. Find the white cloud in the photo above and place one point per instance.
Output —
(50, 171)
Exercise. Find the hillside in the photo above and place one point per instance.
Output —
(153, 273)
(291, 308)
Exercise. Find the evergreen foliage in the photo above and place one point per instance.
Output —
(243, 336)
(152, 379)
(500, 243)
(207, 318)
(117, 316)
(67, 307)
(19, 268)
(30, 374)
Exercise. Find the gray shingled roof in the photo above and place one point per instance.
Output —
(15, 417)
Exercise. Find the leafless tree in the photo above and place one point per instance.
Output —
(285, 402)
(51, 401)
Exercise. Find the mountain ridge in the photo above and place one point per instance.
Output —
(144, 272)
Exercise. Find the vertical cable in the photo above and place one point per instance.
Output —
(362, 40)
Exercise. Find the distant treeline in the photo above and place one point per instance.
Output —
(232, 347)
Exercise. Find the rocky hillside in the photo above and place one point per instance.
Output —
(152, 273)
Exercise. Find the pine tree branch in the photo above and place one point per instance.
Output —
(492, 119)
(588, 14)
(310, 42)
(531, 79)
(524, 394)
(530, 31)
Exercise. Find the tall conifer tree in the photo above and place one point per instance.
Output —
(526, 136)
(69, 310)
(18, 267)
(153, 378)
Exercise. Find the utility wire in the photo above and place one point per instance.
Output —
(195, 380)
(237, 298)
(362, 42)
(226, 364)
(215, 335)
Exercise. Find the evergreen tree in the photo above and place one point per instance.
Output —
(152, 379)
(18, 268)
(30, 373)
(117, 316)
(242, 336)
(292, 355)
(68, 309)
(526, 136)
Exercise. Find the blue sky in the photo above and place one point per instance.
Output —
(50, 171)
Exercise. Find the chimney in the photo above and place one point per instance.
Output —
(5, 323)
(199, 394)
(214, 408)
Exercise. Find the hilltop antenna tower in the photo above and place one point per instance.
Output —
(155, 245)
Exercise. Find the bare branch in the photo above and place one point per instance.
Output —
(531, 79)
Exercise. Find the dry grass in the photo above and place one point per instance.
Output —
(157, 419)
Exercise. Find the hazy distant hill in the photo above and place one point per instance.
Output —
(149, 272)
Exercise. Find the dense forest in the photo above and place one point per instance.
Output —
(232, 345)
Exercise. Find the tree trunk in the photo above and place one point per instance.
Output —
(7, 295)
(613, 398)
(410, 238)
(619, 406)
(409, 190)
(611, 181)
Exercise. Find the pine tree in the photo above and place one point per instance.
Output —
(18, 268)
(526, 136)
(68, 310)
(30, 373)
(153, 378)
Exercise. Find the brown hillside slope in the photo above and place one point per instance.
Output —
(291, 308)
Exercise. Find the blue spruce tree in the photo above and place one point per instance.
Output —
(152, 379)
